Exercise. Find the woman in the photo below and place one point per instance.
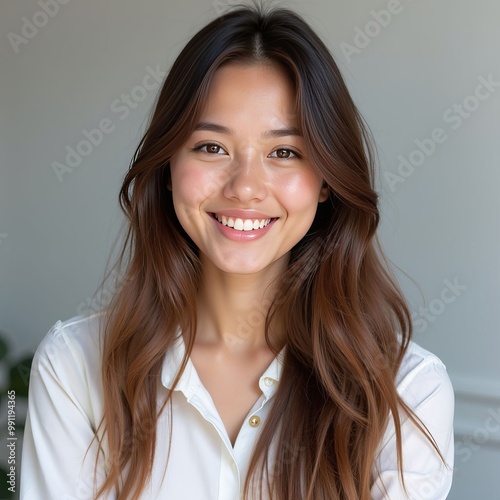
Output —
(256, 347)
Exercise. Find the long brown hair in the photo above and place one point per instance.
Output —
(347, 325)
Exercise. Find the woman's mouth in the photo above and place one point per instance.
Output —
(242, 224)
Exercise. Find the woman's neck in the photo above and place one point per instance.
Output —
(232, 309)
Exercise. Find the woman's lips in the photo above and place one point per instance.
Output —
(242, 228)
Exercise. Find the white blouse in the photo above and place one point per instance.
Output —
(66, 403)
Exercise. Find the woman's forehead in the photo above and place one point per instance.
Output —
(262, 92)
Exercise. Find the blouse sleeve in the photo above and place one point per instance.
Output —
(57, 459)
(427, 390)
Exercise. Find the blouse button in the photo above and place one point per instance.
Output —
(254, 421)
(268, 381)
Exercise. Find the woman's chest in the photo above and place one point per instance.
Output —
(233, 384)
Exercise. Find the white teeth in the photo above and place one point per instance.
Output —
(242, 224)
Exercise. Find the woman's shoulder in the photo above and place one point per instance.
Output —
(425, 387)
(71, 344)
(66, 371)
(421, 375)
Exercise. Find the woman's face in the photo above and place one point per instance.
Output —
(243, 187)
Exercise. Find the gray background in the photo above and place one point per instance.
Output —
(409, 76)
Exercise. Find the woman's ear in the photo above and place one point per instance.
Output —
(324, 193)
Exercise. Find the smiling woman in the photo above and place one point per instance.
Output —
(257, 346)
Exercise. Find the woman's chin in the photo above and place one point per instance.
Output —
(237, 265)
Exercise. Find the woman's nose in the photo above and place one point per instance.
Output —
(246, 179)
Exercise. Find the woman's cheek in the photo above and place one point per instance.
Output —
(302, 187)
(201, 183)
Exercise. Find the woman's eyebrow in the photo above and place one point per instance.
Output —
(282, 132)
(270, 134)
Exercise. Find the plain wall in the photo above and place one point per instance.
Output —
(414, 78)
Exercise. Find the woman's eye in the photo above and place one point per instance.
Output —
(213, 149)
(284, 153)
